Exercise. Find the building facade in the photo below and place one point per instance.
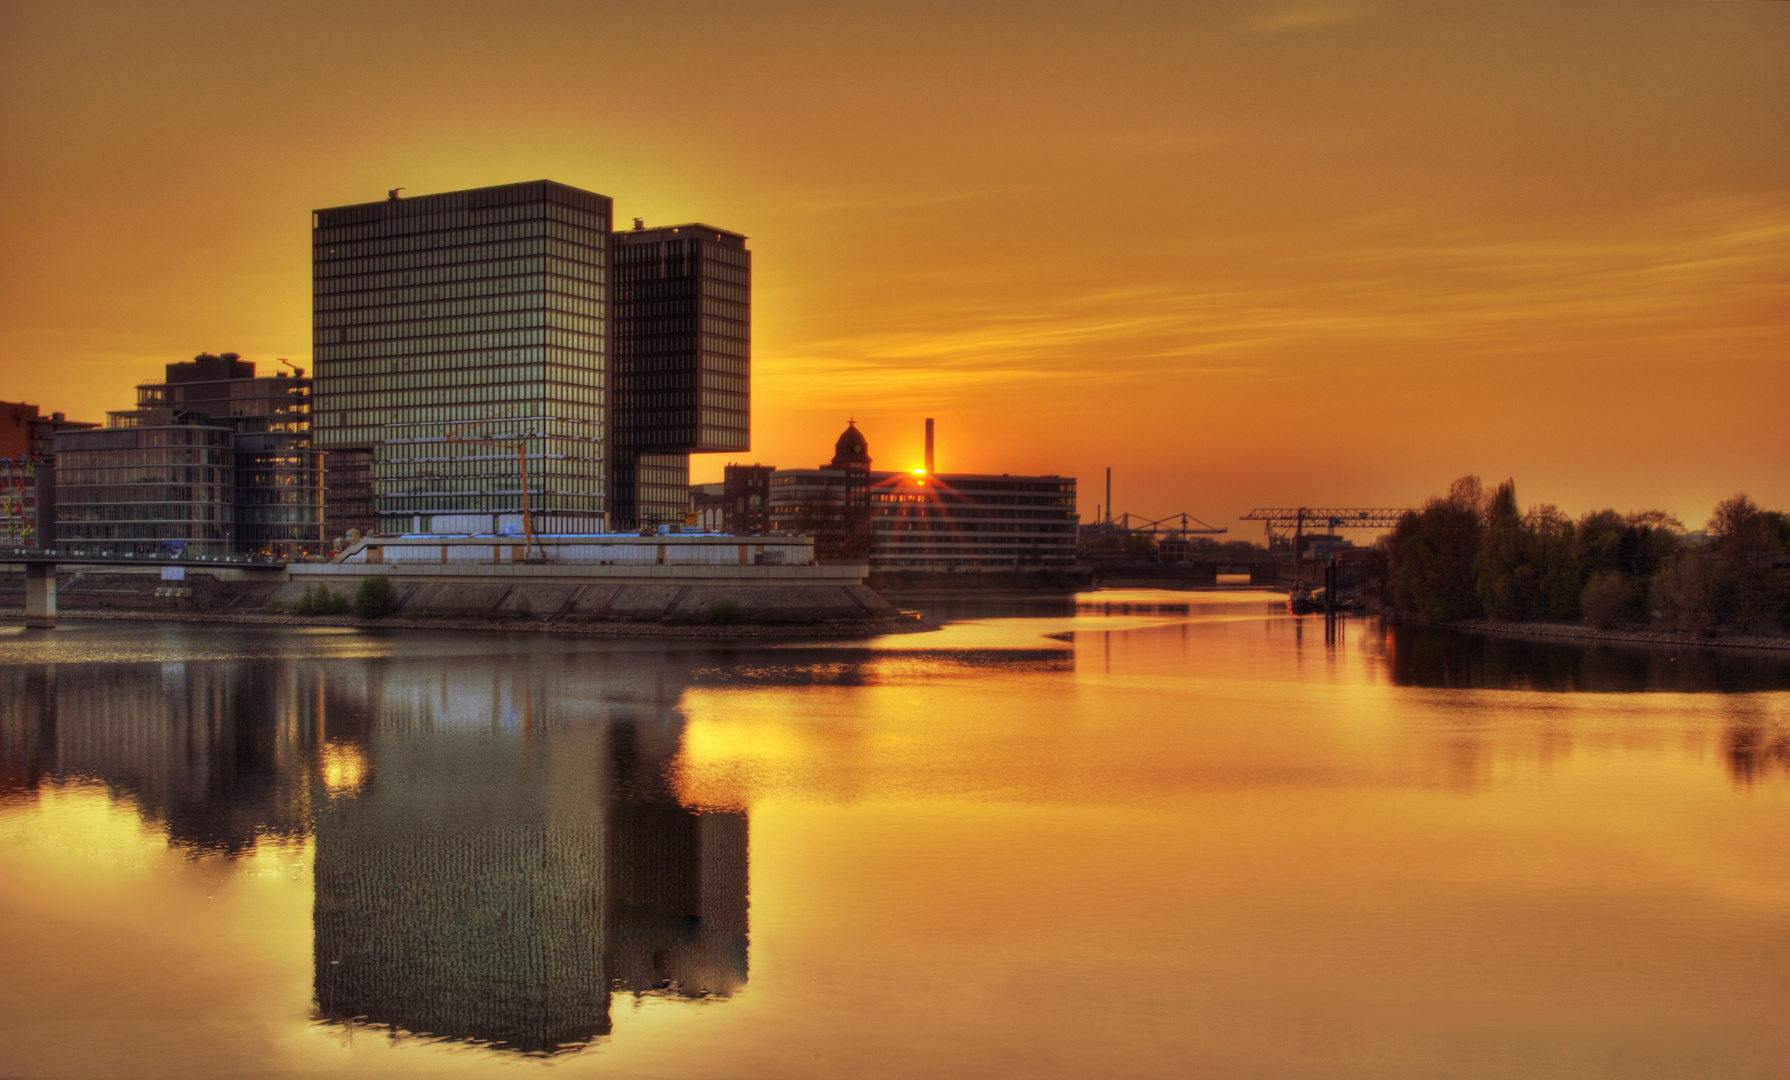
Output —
(148, 489)
(27, 479)
(683, 361)
(454, 334)
(214, 460)
(928, 522)
(739, 505)
(467, 339)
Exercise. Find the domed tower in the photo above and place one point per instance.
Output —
(851, 452)
(849, 535)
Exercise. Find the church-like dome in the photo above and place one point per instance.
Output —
(851, 449)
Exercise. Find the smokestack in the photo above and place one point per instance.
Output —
(929, 446)
(1109, 493)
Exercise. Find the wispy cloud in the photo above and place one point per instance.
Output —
(1307, 15)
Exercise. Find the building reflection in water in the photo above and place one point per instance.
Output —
(498, 845)
(219, 756)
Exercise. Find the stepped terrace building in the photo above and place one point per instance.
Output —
(214, 460)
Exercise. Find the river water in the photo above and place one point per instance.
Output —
(1132, 834)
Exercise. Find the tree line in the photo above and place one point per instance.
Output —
(1475, 554)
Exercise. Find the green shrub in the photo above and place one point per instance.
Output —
(722, 611)
(375, 599)
(320, 600)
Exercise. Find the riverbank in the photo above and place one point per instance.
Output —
(835, 628)
(1570, 632)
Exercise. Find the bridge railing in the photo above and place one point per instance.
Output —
(77, 553)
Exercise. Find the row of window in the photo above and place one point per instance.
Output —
(420, 440)
(70, 462)
(501, 339)
(736, 384)
(636, 291)
(723, 399)
(494, 484)
(575, 385)
(465, 272)
(324, 269)
(113, 472)
(954, 513)
(364, 428)
(135, 510)
(479, 305)
(726, 328)
(887, 526)
(559, 291)
(99, 531)
(310, 495)
(723, 418)
(727, 346)
(452, 238)
(1013, 485)
(465, 324)
(331, 370)
(639, 335)
(560, 394)
(552, 456)
(726, 309)
(736, 274)
(739, 294)
(950, 497)
(489, 503)
(640, 310)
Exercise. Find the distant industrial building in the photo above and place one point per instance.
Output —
(465, 341)
(27, 484)
(925, 521)
(214, 460)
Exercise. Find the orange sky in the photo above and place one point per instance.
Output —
(1267, 253)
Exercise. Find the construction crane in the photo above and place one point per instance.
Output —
(521, 448)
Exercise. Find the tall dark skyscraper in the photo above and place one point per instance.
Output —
(483, 307)
(484, 315)
(682, 351)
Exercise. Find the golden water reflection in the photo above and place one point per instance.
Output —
(1144, 834)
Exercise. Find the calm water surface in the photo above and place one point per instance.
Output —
(1136, 834)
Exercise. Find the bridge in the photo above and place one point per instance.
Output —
(40, 570)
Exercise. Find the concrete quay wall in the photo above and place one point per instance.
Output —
(587, 593)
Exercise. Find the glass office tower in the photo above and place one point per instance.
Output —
(453, 333)
(683, 362)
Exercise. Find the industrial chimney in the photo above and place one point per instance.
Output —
(929, 446)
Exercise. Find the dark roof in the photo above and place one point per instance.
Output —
(852, 447)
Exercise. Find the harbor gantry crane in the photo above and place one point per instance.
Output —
(1330, 517)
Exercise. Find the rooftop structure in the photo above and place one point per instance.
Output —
(924, 521)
